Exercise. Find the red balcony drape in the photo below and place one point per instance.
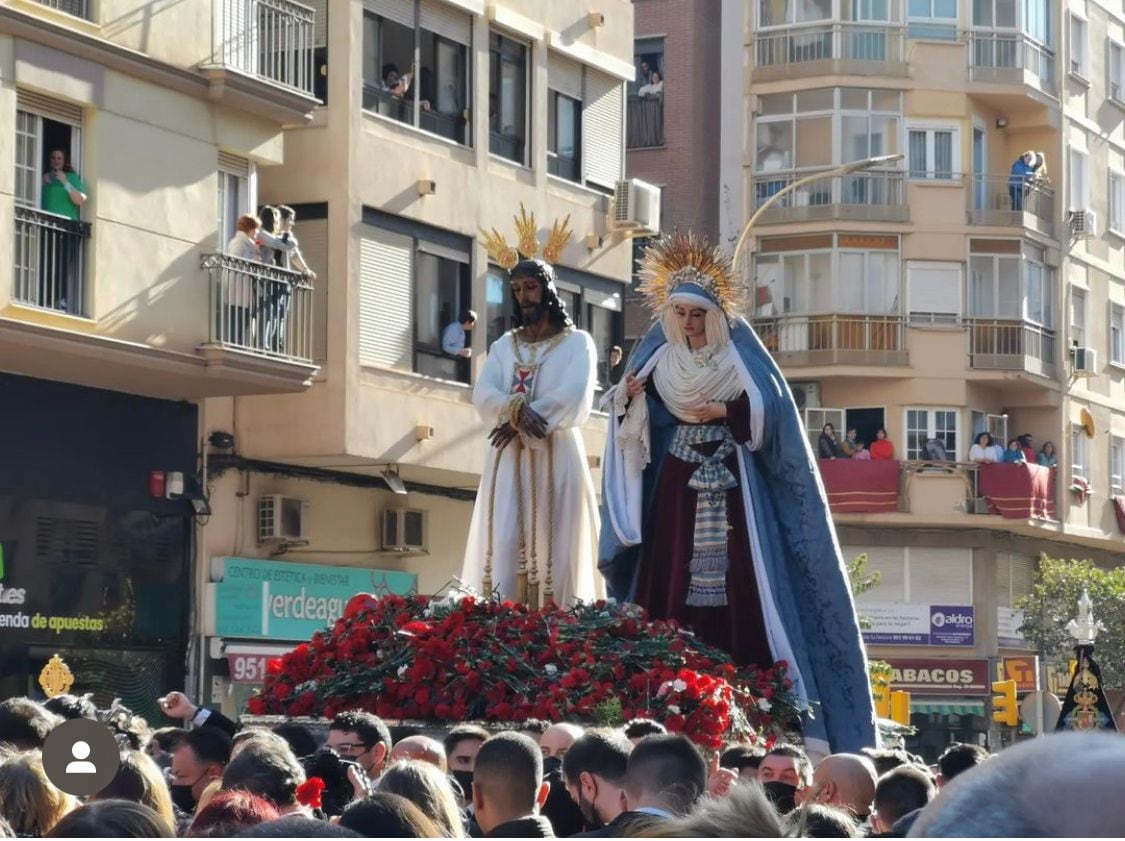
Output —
(860, 487)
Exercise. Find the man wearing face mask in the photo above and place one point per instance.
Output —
(594, 769)
(784, 771)
(197, 758)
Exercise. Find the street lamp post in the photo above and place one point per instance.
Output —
(843, 169)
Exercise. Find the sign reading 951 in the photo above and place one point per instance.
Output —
(247, 668)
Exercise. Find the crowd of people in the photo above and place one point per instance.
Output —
(213, 778)
(1019, 451)
(830, 447)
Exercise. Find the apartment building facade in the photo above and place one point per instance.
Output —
(940, 296)
(441, 119)
(113, 310)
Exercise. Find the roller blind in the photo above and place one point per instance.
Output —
(934, 288)
(400, 11)
(52, 109)
(564, 76)
(447, 22)
(234, 164)
(889, 562)
(602, 118)
(313, 237)
(385, 281)
(940, 575)
(320, 22)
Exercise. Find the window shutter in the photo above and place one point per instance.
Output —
(234, 164)
(320, 21)
(602, 119)
(941, 576)
(447, 22)
(934, 288)
(312, 235)
(400, 11)
(887, 560)
(386, 273)
(564, 76)
(52, 109)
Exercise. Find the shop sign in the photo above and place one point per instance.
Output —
(278, 600)
(1023, 670)
(247, 668)
(940, 676)
(918, 624)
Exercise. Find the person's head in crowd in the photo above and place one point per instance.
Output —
(816, 820)
(845, 781)
(301, 740)
(361, 737)
(560, 809)
(533, 728)
(385, 815)
(286, 216)
(269, 218)
(422, 748)
(28, 799)
(656, 78)
(638, 728)
(507, 780)
(70, 707)
(198, 758)
(646, 70)
(297, 826)
(594, 770)
(268, 770)
(881, 434)
(557, 739)
(1062, 784)
(258, 735)
(162, 742)
(462, 744)
(390, 74)
(333, 770)
(113, 819)
(230, 812)
(615, 355)
(787, 764)
(885, 760)
(898, 793)
(427, 788)
(25, 724)
(467, 318)
(958, 758)
(140, 779)
(743, 760)
(743, 813)
(248, 224)
(666, 773)
(851, 435)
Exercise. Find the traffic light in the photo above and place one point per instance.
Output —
(881, 693)
(1004, 708)
(900, 707)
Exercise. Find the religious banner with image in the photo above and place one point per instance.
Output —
(1085, 706)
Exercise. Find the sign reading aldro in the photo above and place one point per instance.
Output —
(287, 601)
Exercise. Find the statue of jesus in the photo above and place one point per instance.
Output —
(534, 531)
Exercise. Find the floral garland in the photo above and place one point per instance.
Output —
(461, 658)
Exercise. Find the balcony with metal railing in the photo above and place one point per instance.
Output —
(834, 339)
(49, 261)
(644, 121)
(872, 195)
(1012, 58)
(1011, 344)
(1009, 202)
(848, 49)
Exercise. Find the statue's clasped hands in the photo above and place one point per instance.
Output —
(525, 421)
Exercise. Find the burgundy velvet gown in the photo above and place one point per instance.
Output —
(737, 627)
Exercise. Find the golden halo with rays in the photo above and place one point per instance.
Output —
(679, 258)
(527, 244)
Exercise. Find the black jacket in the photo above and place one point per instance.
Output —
(533, 826)
(625, 822)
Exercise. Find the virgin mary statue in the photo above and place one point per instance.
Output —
(713, 513)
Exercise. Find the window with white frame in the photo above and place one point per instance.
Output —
(1011, 286)
(934, 151)
(868, 282)
(784, 12)
(1078, 316)
(1079, 452)
(1000, 14)
(1115, 81)
(926, 427)
(1116, 202)
(1116, 464)
(1117, 334)
(235, 196)
(932, 19)
(1079, 58)
(1079, 180)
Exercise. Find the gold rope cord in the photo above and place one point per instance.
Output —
(533, 570)
(486, 584)
(521, 573)
(548, 586)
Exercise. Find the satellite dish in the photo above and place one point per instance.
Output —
(1087, 423)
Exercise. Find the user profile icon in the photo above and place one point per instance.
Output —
(81, 757)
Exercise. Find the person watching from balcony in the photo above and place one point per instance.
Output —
(279, 247)
(63, 194)
(244, 244)
(237, 293)
(1026, 445)
(1023, 168)
(1047, 456)
(982, 451)
(860, 453)
(881, 447)
(850, 443)
(1014, 455)
(63, 191)
(644, 74)
(827, 445)
(654, 88)
(610, 371)
(395, 83)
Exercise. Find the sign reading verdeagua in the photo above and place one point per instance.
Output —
(918, 624)
(278, 600)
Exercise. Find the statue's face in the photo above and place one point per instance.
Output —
(529, 295)
(692, 320)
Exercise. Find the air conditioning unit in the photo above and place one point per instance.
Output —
(1085, 361)
(807, 395)
(282, 518)
(404, 530)
(1084, 223)
(636, 207)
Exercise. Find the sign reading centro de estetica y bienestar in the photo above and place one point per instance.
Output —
(286, 601)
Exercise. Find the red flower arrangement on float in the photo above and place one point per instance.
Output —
(462, 658)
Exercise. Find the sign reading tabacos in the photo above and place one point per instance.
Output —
(934, 676)
(278, 600)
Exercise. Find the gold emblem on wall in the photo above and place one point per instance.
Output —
(56, 677)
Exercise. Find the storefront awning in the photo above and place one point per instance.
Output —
(960, 707)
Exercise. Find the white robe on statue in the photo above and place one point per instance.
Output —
(566, 524)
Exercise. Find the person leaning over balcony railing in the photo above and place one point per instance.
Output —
(236, 293)
(278, 246)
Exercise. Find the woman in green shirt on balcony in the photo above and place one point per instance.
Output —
(63, 190)
(59, 268)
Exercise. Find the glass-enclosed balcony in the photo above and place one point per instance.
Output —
(829, 49)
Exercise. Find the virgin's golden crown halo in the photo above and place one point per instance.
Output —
(527, 242)
(688, 258)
